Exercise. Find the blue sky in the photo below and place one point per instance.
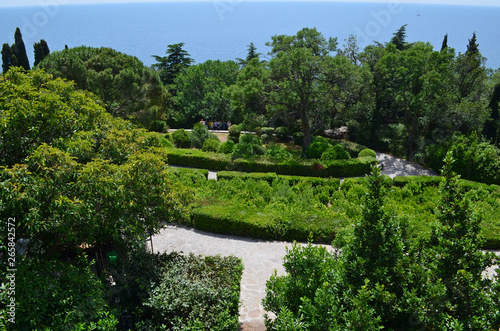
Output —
(15, 3)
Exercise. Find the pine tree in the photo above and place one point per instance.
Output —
(399, 38)
(19, 50)
(252, 52)
(41, 50)
(7, 58)
(171, 65)
(444, 46)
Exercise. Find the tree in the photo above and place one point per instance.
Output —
(399, 38)
(444, 45)
(170, 66)
(412, 89)
(251, 54)
(471, 72)
(458, 260)
(37, 109)
(126, 86)
(41, 50)
(492, 126)
(19, 50)
(201, 91)
(298, 75)
(8, 58)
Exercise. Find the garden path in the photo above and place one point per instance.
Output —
(259, 257)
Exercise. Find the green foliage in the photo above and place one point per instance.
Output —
(234, 133)
(282, 133)
(158, 126)
(170, 66)
(19, 55)
(317, 148)
(51, 294)
(37, 109)
(41, 50)
(200, 91)
(459, 262)
(226, 147)
(181, 138)
(126, 86)
(250, 139)
(267, 130)
(476, 159)
(197, 290)
(198, 159)
(336, 152)
(211, 145)
(277, 152)
(266, 138)
(242, 149)
(198, 135)
(367, 153)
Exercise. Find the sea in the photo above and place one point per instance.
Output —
(223, 29)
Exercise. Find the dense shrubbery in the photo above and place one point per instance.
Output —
(226, 147)
(211, 145)
(195, 293)
(239, 203)
(234, 133)
(336, 152)
(383, 279)
(180, 137)
(277, 152)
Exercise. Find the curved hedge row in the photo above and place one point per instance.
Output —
(271, 206)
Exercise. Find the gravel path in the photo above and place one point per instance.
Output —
(259, 257)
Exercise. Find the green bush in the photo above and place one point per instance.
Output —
(317, 148)
(367, 153)
(234, 133)
(196, 292)
(336, 152)
(158, 126)
(266, 138)
(229, 175)
(198, 135)
(266, 130)
(210, 145)
(250, 139)
(181, 138)
(281, 133)
(277, 152)
(242, 149)
(226, 147)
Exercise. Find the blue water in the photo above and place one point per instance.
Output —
(222, 29)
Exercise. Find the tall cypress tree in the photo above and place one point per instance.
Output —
(445, 43)
(473, 46)
(7, 58)
(19, 50)
(41, 50)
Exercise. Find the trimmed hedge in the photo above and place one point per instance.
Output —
(271, 176)
(181, 171)
(198, 159)
(215, 161)
(401, 181)
(233, 220)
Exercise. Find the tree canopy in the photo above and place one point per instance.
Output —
(126, 86)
